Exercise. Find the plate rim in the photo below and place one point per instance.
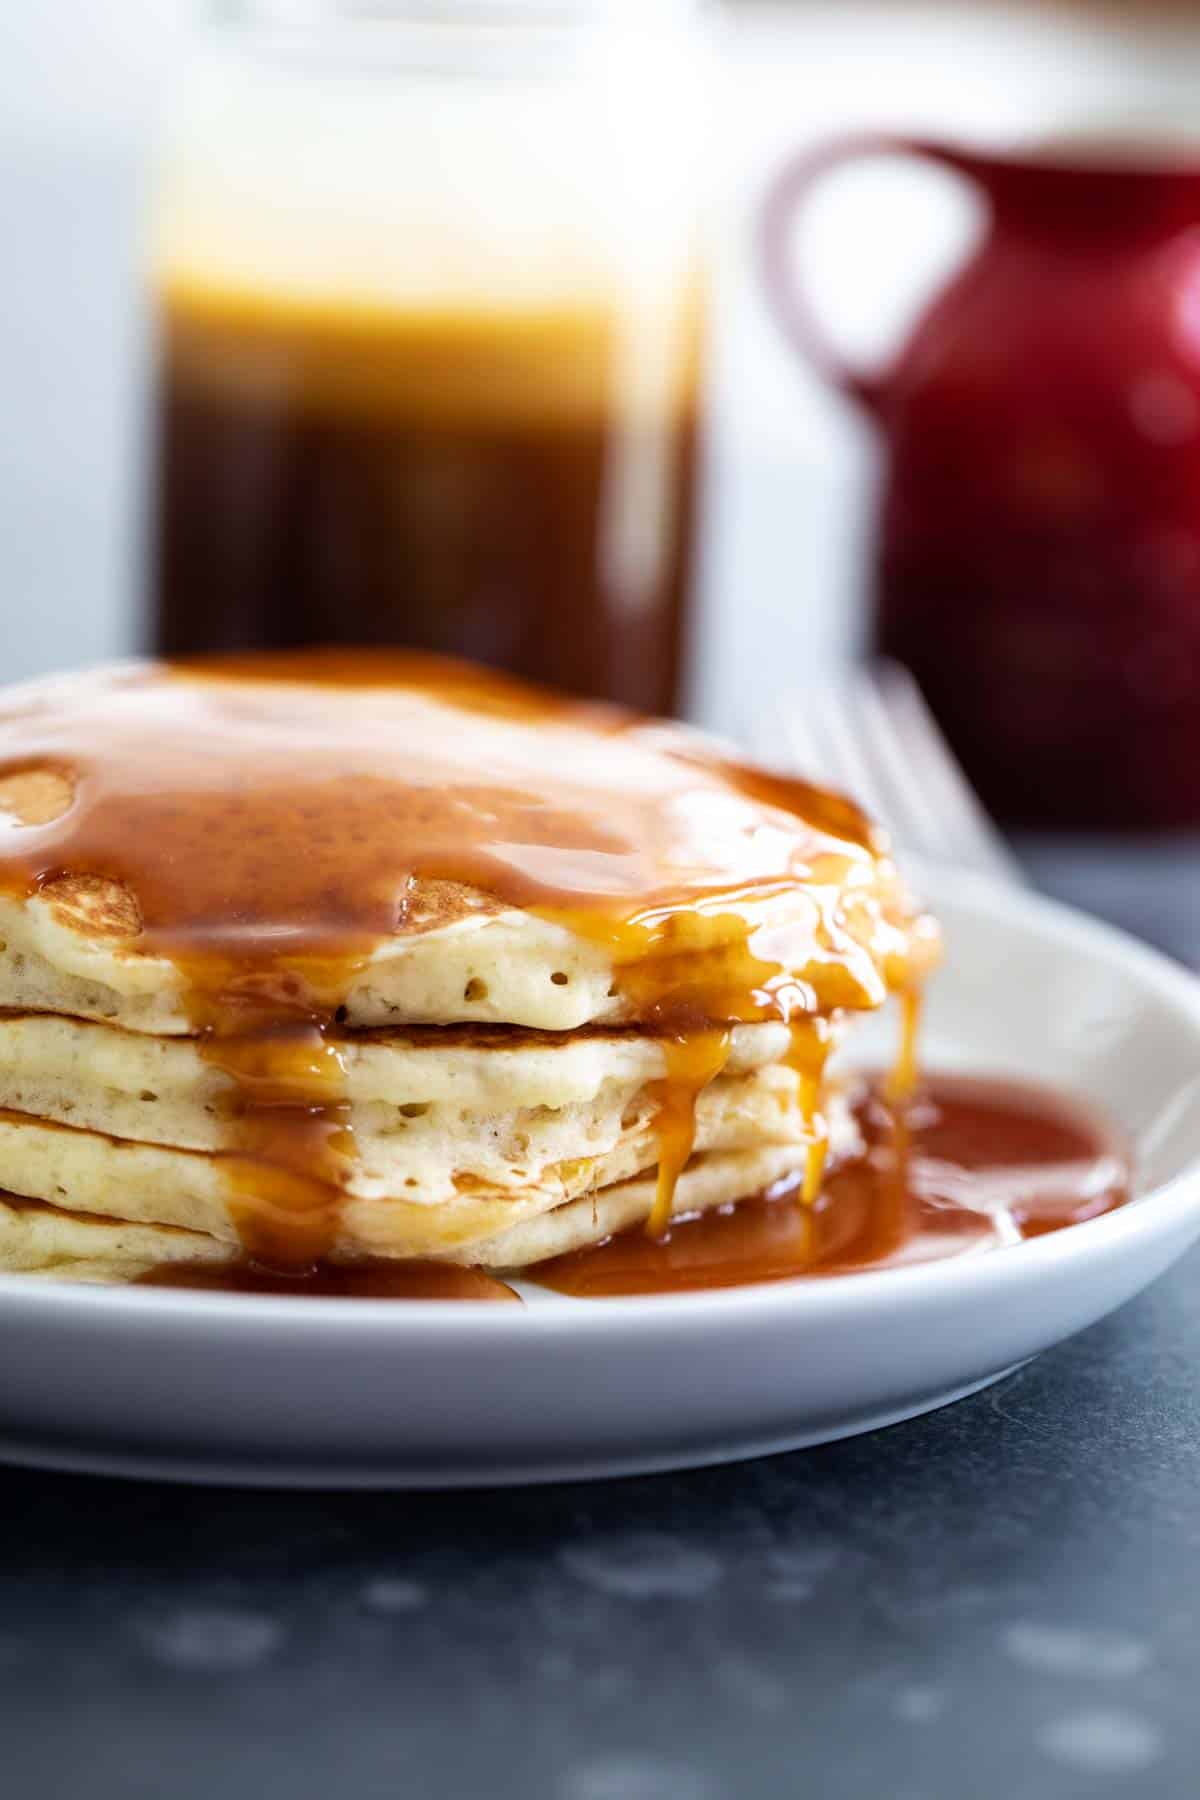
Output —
(1164, 1205)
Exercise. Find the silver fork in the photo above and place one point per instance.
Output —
(868, 731)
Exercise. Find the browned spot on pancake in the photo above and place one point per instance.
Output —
(486, 1035)
(429, 905)
(35, 796)
(20, 1203)
(10, 1115)
(483, 1035)
(93, 905)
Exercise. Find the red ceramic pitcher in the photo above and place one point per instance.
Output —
(1037, 562)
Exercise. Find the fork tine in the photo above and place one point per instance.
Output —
(782, 737)
(912, 813)
(834, 713)
(809, 732)
(968, 827)
(869, 732)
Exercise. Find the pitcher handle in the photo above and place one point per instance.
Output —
(789, 191)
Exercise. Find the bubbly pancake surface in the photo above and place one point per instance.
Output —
(265, 853)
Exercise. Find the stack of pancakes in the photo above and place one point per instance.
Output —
(328, 958)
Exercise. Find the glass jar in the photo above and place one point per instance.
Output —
(429, 309)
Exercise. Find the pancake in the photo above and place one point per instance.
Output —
(707, 1182)
(60, 1061)
(57, 1243)
(124, 859)
(65, 1246)
(73, 948)
(430, 1113)
(331, 956)
(86, 1171)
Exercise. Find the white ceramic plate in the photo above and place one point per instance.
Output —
(215, 1387)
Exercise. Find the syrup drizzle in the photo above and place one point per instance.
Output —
(693, 1060)
(811, 1042)
(902, 1078)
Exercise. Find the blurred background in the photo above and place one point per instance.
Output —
(89, 95)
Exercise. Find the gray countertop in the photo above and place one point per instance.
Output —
(1000, 1599)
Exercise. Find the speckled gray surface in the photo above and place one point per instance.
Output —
(1001, 1599)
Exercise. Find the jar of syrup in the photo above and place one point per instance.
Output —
(429, 337)
(1037, 555)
